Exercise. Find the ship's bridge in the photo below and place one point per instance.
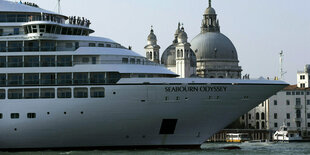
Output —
(36, 20)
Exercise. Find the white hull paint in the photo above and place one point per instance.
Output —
(131, 117)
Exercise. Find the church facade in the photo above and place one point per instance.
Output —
(209, 55)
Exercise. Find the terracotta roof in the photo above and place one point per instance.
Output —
(294, 87)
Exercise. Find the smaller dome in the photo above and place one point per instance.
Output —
(182, 37)
(151, 36)
(210, 11)
(152, 39)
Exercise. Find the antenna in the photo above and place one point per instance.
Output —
(282, 72)
(58, 7)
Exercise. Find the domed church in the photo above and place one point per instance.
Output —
(209, 55)
(178, 57)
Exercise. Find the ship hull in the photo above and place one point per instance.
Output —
(129, 116)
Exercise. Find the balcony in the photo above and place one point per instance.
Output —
(297, 119)
(298, 106)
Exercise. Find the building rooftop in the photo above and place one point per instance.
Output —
(294, 87)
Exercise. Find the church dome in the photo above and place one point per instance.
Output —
(168, 57)
(210, 11)
(213, 45)
(182, 37)
(152, 39)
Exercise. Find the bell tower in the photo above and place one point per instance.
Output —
(152, 49)
(183, 52)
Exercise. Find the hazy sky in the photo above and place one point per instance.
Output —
(259, 29)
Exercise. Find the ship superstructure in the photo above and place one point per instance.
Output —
(61, 87)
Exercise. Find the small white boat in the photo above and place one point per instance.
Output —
(284, 135)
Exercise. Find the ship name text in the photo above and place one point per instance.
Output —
(196, 89)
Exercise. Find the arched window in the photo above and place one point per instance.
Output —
(257, 125)
(178, 53)
(151, 55)
(181, 53)
(262, 116)
(263, 125)
(257, 116)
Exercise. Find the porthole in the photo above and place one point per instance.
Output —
(48, 113)
(82, 112)
(114, 93)
(15, 129)
(65, 113)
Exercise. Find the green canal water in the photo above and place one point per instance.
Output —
(210, 148)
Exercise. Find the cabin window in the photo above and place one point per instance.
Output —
(309, 127)
(113, 77)
(42, 28)
(48, 45)
(108, 45)
(97, 92)
(47, 93)
(15, 93)
(308, 115)
(132, 61)
(48, 78)
(14, 115)
(138, 61)
(2, 46)
(65, 60)
(31, 93)
(31, 115)
(125, 60)
(15, 79)
(31, 61)
(275, 125)
(31, 79)
(308, 102)
(97, 78)
(2, 62)
(15, 61)
(287, 102)
(1, 30)
(2, 80)
(64, 78)
(288, 124)
(69, 45)
(80, 78)
(48, 61)
(275, 102)
(16, 31)
(80, 93)
(31, 46)
(92, 44)
(2, 93)
(1, 115)
(58, 30)
(64, 93)
(101, 45)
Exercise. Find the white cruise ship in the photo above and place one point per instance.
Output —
(62, 88)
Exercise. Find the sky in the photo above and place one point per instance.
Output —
(259, 29)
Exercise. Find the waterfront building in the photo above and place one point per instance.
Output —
(291, 106)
